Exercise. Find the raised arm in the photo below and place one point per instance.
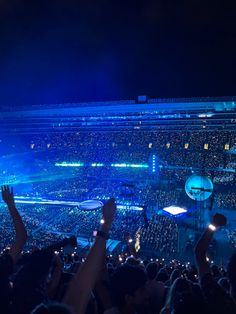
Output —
(79, 290)
(55, 278)
(21, 233)
(102, 291)
(203, 244)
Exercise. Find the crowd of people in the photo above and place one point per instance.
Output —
(151, 191)
(56, 278)
(232, 237)
(161, 235)
(45, 222)
(178, 154)
(44, 270)
(192, 149)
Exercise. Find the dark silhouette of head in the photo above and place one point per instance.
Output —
(128, 287)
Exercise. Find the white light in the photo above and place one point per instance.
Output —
(102, 221)
(174, 210)
(130, 240)
(212, 227)
(205, 115)
(129, 207)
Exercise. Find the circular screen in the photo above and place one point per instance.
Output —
(199, 188)
(90, 205)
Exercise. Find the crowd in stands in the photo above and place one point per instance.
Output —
(55, 278)
(232, 237)
(177, 149)
(224, 200)
(173, 148)
(45, 222)
(161, 235)
(154, 192)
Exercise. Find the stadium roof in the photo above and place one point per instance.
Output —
(141, 114)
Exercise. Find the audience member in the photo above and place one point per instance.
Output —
(57, 279)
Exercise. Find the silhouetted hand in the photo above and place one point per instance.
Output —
(72, 241)
(219, 220)
(21, 232)
(7, 195)
(109, 211)
(58, 262)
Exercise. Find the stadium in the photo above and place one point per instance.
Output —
(169, 163)
(117, 157)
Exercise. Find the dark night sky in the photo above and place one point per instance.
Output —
(65, 50)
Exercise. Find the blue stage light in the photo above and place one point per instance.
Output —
(97, 165)
(69, 164)
(129, 207)
(80, 164)
(153, 163)
(129, 165)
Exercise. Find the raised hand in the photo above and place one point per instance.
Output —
(58, 261)
(219, 220)
(83, 283)
(109, 211)
(7, 195)
(21, 233)
(200, 251)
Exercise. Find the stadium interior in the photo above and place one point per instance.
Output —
(170, 164)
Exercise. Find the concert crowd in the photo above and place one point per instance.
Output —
(179, 155)
(56, 278)
(43, 268)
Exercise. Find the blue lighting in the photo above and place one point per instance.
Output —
(97, 165)
(80, 164)
(69, 164)
(129, 165)
(153, 163)
(130, 207)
